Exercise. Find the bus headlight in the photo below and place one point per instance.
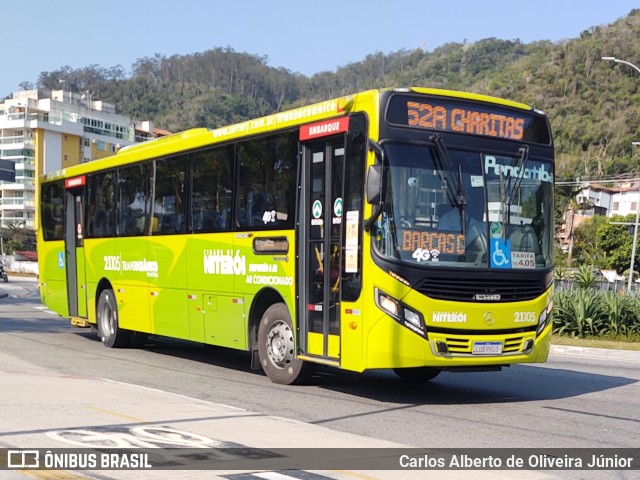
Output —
(387, 304)
(401, 313)
(544, 318)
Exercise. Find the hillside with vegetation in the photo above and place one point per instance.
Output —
(594, 105)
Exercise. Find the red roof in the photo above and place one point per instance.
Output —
(24, 255)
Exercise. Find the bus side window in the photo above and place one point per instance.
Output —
(170, 196)
(134, 204)
(211, 177)
(52, 209)
(100, 224)
(101, 197)
(260, 206)
(267, 181)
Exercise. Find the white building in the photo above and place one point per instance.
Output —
(597, 199)
(625, 200)
(594, 194)
(42, 131)
(621, 199)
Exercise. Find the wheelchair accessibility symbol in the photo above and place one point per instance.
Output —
(500, 253)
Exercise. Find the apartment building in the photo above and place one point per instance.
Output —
(43, 131)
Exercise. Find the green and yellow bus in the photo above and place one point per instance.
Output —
(407, 229)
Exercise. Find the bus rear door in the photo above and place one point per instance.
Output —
(74, 249)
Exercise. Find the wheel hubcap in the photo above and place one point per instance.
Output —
(106, 321)
(280, 344)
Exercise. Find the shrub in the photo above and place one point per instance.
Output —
(578, 313)
(584, 313)
(586, 277)
(617, 310)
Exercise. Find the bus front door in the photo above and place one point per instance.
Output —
(320, 248)
(74, 252)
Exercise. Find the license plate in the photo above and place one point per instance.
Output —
(487, 348)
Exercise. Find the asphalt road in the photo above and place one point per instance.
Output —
(580, 400)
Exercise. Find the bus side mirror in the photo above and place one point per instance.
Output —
(374, 184)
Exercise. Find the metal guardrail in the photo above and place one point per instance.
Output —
(603, 286)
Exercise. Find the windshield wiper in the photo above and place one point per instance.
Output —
(522, 161)
(507, 194)
(444, 167)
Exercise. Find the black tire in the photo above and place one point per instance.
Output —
(417, 374)
(109, 330)
(277, 350)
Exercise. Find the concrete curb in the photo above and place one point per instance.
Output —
(602, 353)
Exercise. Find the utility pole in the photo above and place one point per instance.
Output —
(635, 229)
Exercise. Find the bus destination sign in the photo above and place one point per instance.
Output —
(461, 117)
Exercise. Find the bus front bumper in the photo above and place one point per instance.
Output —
(391, 345)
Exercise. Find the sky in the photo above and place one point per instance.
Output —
(302, 36)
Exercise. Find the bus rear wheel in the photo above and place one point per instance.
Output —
(277, 349)
(109, 330)
(417, 374)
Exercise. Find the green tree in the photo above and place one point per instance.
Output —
(587, 248)
(616, 244)
(15, 237)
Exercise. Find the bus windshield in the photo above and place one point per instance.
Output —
(458, 208)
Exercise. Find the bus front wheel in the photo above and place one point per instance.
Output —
(417, 374)
(109, 330)
(277, 349)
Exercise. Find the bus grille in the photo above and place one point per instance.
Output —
(462, 345)
(481, 290)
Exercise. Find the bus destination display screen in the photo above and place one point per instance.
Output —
(451, 115)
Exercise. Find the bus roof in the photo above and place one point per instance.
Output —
(199, 137)
(467, 95)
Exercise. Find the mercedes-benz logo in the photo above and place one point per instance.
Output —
(489, 319)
